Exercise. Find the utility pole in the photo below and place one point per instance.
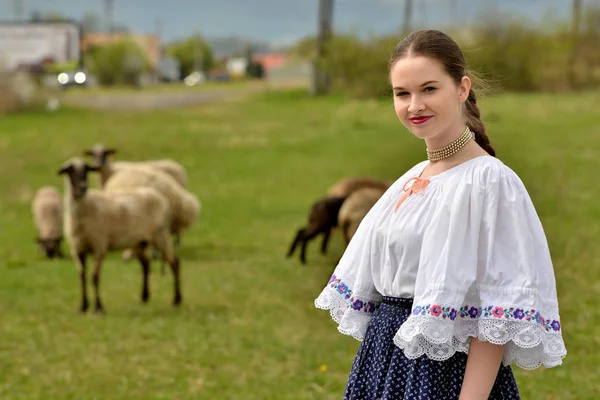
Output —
(321, 80)
(406, 25)
(423, 12)
(198, 53)
(575, 32)
(454, 11)
(159, 28)
(19, 9)
(108, 10)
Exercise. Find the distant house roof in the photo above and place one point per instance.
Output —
(271, 60)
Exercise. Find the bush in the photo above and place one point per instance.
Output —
(514, 56)
(119, 63)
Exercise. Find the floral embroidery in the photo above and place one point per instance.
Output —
(474, 312)
(354, 303)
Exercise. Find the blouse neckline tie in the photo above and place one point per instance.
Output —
(413, 185)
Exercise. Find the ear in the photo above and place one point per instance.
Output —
(64, 170)
(88, 153)
(111, 150)
(464, 88)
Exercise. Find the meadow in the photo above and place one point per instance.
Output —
(248, 328)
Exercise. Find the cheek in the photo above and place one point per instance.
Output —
(400, 108)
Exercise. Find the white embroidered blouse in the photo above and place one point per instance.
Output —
(471, 252)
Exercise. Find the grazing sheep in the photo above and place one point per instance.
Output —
(354, 209)
(47, 210)
(345, 186)
(97, 222)
(107, 168)
(185, 206)
(322, 218)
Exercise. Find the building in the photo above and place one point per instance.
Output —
(34, 44)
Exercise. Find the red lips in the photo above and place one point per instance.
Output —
(420, 120)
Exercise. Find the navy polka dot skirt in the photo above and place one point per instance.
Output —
(381, 371)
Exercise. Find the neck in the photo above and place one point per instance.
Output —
(445, 138)
(451, 149)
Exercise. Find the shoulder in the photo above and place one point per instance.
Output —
(489, 174)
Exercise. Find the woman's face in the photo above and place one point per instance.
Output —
(426, 99)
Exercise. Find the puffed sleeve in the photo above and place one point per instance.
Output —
(485, 271)
(350, 294)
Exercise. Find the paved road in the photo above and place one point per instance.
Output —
(148, 100)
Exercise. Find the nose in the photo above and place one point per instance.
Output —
(416, 104)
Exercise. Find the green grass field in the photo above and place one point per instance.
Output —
(248, 328)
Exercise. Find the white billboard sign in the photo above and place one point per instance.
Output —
(30, 43)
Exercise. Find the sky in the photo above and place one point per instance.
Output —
(278, 21)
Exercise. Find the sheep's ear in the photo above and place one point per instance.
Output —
(88, 152)
(63, 170)
(111, 150)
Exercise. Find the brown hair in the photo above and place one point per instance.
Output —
(441, 47)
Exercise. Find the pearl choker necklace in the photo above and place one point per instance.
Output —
(452, 148)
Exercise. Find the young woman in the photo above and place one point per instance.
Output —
(448, 279)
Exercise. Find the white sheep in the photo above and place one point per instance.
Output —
(107, 168)
(47, 210)
(185, 206)
(97, 222)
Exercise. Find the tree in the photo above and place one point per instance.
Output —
(186, 51)
(576, 33)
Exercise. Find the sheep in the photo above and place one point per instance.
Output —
(107, 168)
(322, 218)
(185, 206)
(345, 186)
(47, 211)
(97, 222)
(354, 209)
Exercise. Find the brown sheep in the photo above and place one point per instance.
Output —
(322, 218)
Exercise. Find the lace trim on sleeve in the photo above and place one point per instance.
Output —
(438, 332)
(353, 313)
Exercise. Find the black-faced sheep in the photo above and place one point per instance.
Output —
(354, 209)
(322, 218)
(97, 222)
(101, 155)
(47, 210)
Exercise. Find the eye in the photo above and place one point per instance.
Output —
(429, 89)
(401, 94)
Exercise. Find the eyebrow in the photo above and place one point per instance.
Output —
(423, 84)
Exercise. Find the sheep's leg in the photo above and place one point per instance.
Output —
(325, 241)
(82, 277)
(297, 239)
(145, 276)
(96, 281)
(175, 267)
(162, 242)
(307, 236)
